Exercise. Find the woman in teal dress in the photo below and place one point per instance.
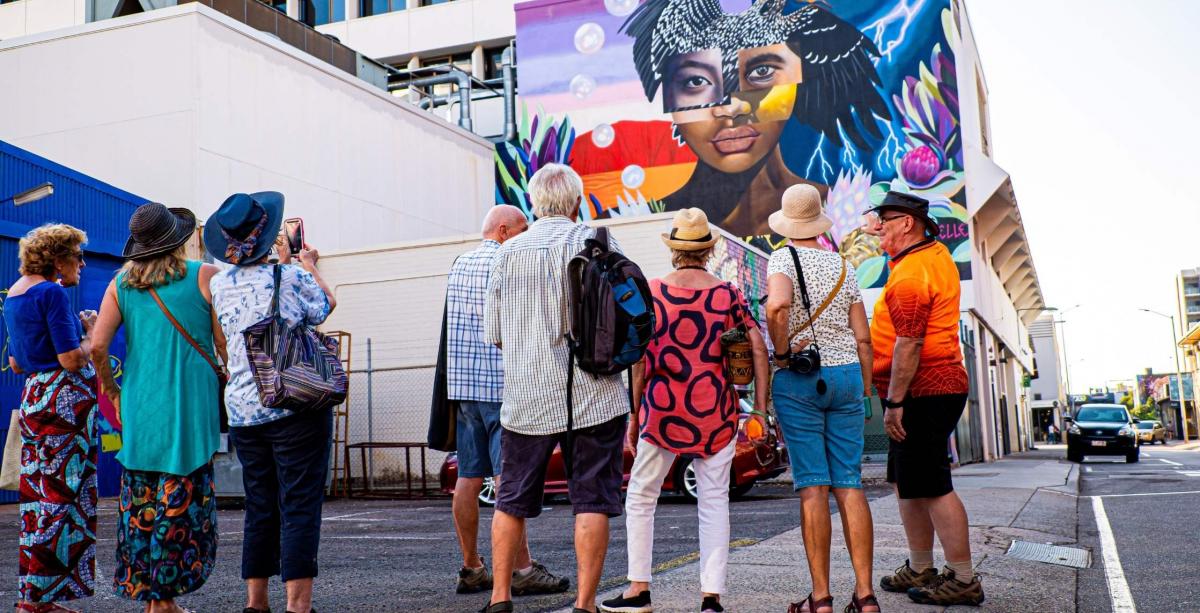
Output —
(169, 410)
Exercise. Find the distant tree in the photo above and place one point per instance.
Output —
(1127, 400)
(1148, 410)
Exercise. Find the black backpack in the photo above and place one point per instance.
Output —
(610, 318)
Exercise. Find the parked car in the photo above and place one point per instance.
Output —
(1150, 431)
(759, 456)
(1102, 429)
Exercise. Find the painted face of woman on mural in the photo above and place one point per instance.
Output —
(733, 137)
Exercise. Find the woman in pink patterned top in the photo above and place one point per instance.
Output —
(685, 406)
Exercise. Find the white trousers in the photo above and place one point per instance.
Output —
(650, 467)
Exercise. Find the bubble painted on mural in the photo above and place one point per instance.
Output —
(582, 86)
(603, 135)
(620, 8)
(633, 176)
(589, 38)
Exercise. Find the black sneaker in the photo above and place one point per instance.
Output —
(711, 605)
(499, 607)
(621, 604)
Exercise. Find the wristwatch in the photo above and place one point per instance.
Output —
(781, 357)
(888, 404)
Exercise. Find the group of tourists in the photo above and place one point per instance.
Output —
(182, 320)
(512, 369)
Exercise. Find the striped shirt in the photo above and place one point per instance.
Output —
(474, 368)
(526, 312)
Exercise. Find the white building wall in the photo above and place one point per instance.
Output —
(26, 17)
(394, 295)
(186, 106)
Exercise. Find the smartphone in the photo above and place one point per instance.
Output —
(293, 229)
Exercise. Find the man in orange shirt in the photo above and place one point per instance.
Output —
(922, 383)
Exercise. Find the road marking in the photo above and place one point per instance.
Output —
(1169, 462)
(338, 517)
(1190, 473)
(1144, 494)
(671, 564)
(1145, 455)
(1087, 469)
(1118, 588)
(371, 537)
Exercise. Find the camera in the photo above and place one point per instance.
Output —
(806, 361)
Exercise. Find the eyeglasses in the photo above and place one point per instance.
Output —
(884, 220)
(78, 256)
(875, 218)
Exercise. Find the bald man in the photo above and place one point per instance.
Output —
(476, 380)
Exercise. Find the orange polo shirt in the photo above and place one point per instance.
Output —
(921, 299)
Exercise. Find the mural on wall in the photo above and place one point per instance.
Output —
(724, 104)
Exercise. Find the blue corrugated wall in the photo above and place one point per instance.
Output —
(95, 207)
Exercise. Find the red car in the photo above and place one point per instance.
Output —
(759, 455)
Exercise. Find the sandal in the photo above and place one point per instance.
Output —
(813, 605)
(858, 604)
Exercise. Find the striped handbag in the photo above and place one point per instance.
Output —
(296, 368)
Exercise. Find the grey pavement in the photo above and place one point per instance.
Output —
(1029, 496)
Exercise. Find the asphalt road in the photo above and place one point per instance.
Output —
(402, 555)
(1153, 508)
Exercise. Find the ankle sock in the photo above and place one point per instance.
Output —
(921, 560)
(524, 572)
(962, 570)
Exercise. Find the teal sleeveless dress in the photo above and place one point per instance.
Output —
(169, 397)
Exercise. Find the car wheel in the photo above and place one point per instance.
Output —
(685, 481)
(1073, 454)
(487, 493)
(1132, 457)
(738, 491)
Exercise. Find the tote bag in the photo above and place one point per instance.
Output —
(10, 470)
(295, 367)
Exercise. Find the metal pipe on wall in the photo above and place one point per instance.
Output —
(509, 76)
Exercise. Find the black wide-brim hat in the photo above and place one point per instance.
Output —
(910, 204)
(244, 228)
(155, 230)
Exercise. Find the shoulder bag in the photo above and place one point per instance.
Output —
(222, 375)
(295, 367)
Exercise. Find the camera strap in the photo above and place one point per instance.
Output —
(812, 325)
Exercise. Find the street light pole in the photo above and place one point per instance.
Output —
(1183, 412)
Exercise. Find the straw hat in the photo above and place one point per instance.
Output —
(690, 231)
(801, 215)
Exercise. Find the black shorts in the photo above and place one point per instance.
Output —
(920, 466)
(594, 486)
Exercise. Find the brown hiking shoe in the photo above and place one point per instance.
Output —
(948, 591)
(474, 580)
(907, 578)
(538, 581)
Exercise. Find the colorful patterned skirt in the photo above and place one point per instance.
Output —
(58, 486)
(167, 535)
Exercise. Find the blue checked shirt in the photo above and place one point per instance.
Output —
(475, 368)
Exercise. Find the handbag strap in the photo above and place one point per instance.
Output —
(275, 299)
(188, 337)
(813, 315)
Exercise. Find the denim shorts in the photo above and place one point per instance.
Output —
(824, 432)
(478, 439)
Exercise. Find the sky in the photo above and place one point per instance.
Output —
(1094, 112)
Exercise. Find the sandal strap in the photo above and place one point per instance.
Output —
(857, 603)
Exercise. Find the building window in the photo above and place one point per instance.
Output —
(320, 12)
(1037, 396)
(366, 8)
(279, 5)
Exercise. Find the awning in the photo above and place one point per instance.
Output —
(997, 223)
(1192, 338)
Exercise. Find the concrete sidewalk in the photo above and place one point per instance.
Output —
(1029, 496)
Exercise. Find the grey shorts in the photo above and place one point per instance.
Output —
(595, 485)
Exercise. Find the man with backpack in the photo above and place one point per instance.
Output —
(528, 315)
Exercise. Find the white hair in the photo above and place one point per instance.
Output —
(555, 190)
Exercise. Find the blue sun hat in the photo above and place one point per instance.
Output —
(244, 228)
